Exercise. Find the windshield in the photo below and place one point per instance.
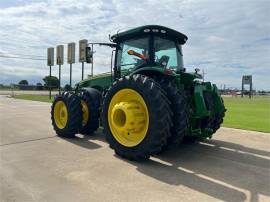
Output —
(135, 53)
(127, 61)
(168, 54)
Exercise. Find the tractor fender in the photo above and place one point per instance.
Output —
(219, 105)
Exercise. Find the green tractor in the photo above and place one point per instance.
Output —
(148, 100)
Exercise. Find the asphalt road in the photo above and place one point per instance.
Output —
(35, 165)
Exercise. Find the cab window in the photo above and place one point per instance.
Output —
(126, 61)
(167, 53)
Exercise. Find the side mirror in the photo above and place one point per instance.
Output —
(88, 55)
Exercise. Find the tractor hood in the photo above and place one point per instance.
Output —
(150, 29)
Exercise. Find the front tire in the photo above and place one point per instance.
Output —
(216, 120)
(66, 114)
(136, 117)
(90, 101)
(219, 117)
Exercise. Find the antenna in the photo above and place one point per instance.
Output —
(203, 74)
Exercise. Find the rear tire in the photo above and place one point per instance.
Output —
(66, 114)
(90, 100)
(190, 139)
(179, 108)
(158, 116)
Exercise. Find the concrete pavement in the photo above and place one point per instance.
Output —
(26, 92)
(36, 165)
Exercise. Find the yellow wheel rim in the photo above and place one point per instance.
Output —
(128, 117)
(60, 114)
(85, 113)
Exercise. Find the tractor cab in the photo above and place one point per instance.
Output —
(148, 46)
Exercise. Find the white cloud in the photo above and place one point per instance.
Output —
(226, 38)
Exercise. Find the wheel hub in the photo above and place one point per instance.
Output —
(60, 114)
(128, 117)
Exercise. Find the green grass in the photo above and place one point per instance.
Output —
(243, 113)
(41, 98)
(249, 114)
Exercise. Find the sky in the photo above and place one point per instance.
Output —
(227, 39)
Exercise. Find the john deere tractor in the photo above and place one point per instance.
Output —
(148, 100)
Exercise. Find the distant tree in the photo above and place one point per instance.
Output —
(39, 86)
(2, 86)
(51, 81)
(67, 87)
(23, 82)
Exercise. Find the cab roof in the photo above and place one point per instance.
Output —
(150, 30)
